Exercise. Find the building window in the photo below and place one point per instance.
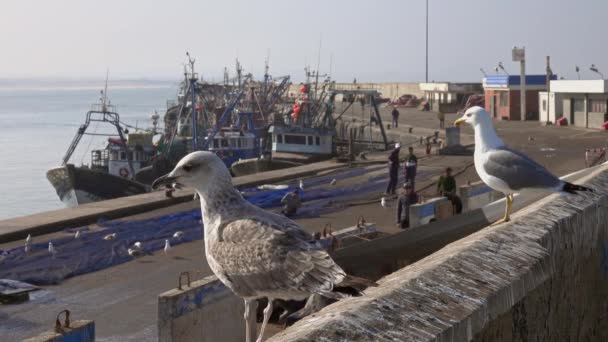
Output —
(597, 106)
(544, 105)
(310, 140)
(280, 139)
(504, 99)
(295, 139)
(578, 105)
(318, 140)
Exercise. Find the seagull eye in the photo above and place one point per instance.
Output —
(469, 115)
(187, 167)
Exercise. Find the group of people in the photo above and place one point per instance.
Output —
(446, 186)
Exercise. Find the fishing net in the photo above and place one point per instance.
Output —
(90, 252)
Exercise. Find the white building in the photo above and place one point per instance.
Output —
(584, 103)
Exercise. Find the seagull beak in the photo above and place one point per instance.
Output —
(459, 122)
(165, 180)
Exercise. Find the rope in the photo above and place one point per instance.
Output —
(89, 145)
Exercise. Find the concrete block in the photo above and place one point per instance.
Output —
(204, 311)
(477, 195)
(79, 331)
(423, 213)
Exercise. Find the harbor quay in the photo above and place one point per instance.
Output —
(120, 293)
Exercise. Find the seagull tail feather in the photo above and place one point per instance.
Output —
(573, 188)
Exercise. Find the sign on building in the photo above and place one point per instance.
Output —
(519, 54)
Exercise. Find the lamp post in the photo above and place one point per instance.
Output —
(427, 42)
(578, 73)
(595, 70)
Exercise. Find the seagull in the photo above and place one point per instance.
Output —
(52, 249)
(134, 252)
(178, 234)
(254, 252)
(110, 237)
(137, 245)
(383, 202)
(167, 246)
(333, 182)
(77, 235)
(28, 243)
(301, 185)
(506, 170)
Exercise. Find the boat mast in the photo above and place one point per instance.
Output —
(193, 79)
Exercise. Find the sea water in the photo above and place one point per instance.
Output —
(38, 125)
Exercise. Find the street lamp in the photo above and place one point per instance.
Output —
(502, 68)
(427, 42)
(483, 72)
(595, 70)
(578, 71)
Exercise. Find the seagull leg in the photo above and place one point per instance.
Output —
(248, 333)
(267, 314)
(508, 209)
(506, 218)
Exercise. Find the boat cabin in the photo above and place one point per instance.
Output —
(114, 159)
(305, 140)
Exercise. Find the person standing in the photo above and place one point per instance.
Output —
(411, 162)
(395, 114)
(447, 187)
(407, 199)
(291, 202)
(441, 117)
(393, 169)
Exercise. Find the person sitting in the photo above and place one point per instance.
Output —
(446, 186)
(291, 202)
(407, 199)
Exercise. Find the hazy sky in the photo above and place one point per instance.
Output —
(371, 40)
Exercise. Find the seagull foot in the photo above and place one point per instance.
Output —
(502, 220)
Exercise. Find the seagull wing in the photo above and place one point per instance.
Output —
(518, 171)
(273, 256)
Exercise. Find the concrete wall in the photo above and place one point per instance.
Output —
(79, 331)
(423, 213)
(542, 277)
(204, 311)
(477, 195)
(391, 90)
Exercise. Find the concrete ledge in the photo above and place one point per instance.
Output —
(543, 276)
(204, 311)
(80, 331)
(51, 221)
(477, 195)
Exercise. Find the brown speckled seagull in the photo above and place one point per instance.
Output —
(254, 252)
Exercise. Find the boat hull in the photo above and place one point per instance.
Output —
(80, 185)
(255, 165)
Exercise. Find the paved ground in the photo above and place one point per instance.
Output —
(122, 299)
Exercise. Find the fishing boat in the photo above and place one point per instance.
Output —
(111, 172)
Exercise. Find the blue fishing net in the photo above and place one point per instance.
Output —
(91, 252)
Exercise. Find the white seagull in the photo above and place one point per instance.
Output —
(110, 237)
(28, 243)
(167, 246)
(254, 252)
(333, 182)
(301, 185)
(77, 235)
(137, 245)
(52, 249)
(506, 170)
(383, 202)
(178, 234)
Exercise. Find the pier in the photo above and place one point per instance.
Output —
(123, 299)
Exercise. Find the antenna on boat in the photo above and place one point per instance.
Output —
(104, 93)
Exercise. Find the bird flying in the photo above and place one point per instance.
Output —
(506, 170)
